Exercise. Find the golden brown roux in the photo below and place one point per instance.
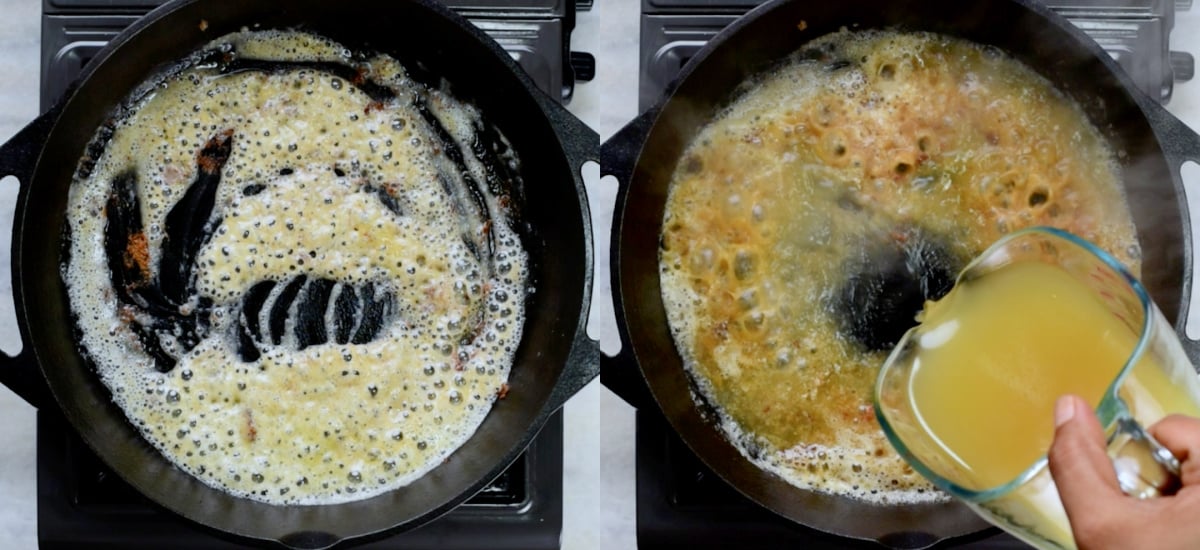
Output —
(861, 136)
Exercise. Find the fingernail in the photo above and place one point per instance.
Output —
(1064, 410)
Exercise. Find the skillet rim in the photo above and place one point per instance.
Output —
(571, 141)
(696, 434)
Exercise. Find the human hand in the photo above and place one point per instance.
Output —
(1102, 516)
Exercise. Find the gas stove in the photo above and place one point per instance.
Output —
(681, 501)
(83, 504)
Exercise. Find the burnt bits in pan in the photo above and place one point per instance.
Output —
(888, 284)
(160, 302)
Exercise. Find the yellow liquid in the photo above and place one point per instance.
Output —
(996, 353)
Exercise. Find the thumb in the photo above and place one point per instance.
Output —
(1078, 459)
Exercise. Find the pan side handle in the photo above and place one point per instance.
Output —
(310, 540)
(583, 365)
(621, 373)
(1180, 144)
(580, 144)
(18, 157)
(909, 540)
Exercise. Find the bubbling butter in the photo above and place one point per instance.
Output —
(355, 186)
(863, 141)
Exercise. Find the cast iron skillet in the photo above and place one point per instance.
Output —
(643, 155)
(554, 360)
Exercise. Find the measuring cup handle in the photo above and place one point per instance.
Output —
(1144, 467)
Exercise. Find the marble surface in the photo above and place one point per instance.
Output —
(603, 515)
(599, 509)
(19, 68)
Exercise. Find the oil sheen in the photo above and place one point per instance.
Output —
(326, 189)
(858, 138)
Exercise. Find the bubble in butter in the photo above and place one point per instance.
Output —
(295, 268)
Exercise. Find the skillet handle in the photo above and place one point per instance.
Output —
(618, 157)
(310, 540)
(583, 366)
(18, 158)
(620, 374)
(908, 540)
(619, 154)
(580, 144)
(1180, 144)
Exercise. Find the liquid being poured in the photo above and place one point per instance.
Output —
(996, 353)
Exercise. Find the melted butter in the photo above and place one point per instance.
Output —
(331, 422)
(873, 133)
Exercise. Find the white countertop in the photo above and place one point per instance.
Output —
(599, 507)
(19, 65)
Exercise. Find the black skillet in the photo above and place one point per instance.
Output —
(554, 360)
(642, 156)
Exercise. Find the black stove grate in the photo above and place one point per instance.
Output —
(536, 33)
(1134, 32)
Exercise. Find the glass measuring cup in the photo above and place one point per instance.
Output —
(1150, 379)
